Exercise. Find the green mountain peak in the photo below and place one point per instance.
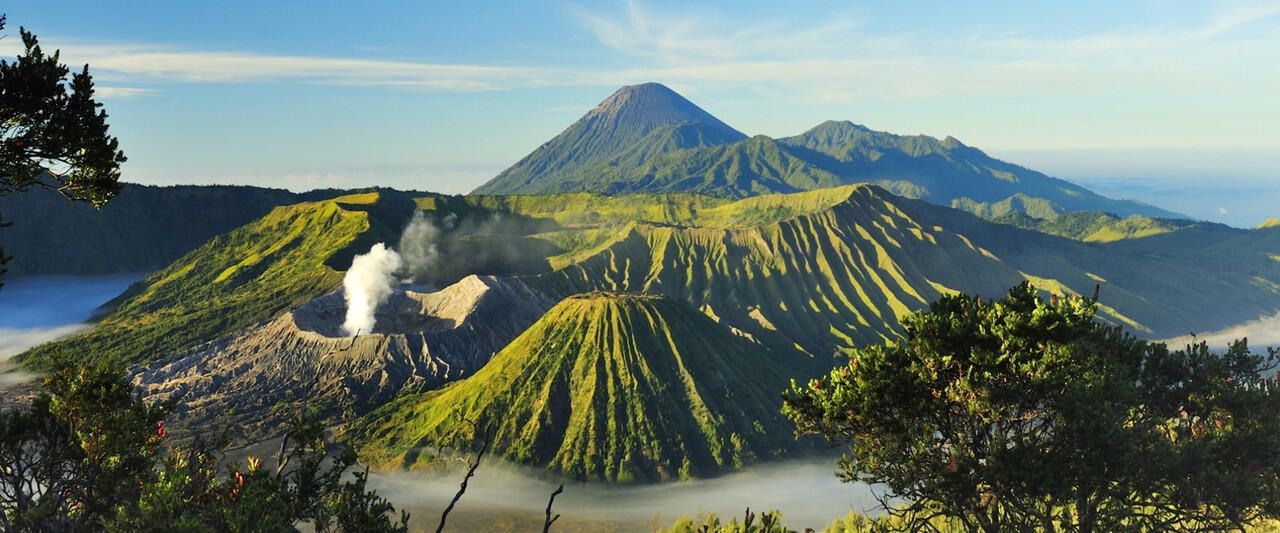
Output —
(605, 386)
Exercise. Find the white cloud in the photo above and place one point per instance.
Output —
(123, 92)
(1240, 16)
(838, 59)
(844, 61)
(137, 62)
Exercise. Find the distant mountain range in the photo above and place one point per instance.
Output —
(647, 138)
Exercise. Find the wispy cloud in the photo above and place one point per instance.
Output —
(843, 60)
(145, 62)
(837, 59)
(1240, 16)
(123, 92)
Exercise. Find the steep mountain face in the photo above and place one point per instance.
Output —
(635, 123)
(605, 386)
(255, 379)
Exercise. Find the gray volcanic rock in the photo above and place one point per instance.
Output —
(257, 378)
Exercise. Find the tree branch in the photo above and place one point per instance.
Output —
(471, 471)
(546, 526)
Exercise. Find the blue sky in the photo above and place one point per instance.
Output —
(1170, 96)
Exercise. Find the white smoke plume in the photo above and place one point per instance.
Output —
(366, 285)
(418, 244)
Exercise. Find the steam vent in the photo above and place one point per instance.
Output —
(420, 340)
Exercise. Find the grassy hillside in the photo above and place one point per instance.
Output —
(836, 268)
(237, 279)
(605, 386)
(1096, 226)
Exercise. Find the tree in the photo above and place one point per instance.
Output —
(79, 451)
(53, 134)
(89, 455)
(1021, 414)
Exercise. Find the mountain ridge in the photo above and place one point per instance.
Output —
(650, 157)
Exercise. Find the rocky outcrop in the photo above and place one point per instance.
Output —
(256, 379)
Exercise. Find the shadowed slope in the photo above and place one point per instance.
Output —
(604, 386)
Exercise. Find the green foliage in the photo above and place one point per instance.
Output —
(1020, 413)
(87, 456)
(615, 387)
(1018, 204)
(768, 522)
(80, 450)
(191, 493)
(944, 171)
(53, 134)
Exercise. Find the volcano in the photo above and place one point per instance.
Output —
(634, 124)
(421, 340)
(605, 386)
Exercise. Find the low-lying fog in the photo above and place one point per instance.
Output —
(1263, 332)
(37, 309)
(503, 499)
